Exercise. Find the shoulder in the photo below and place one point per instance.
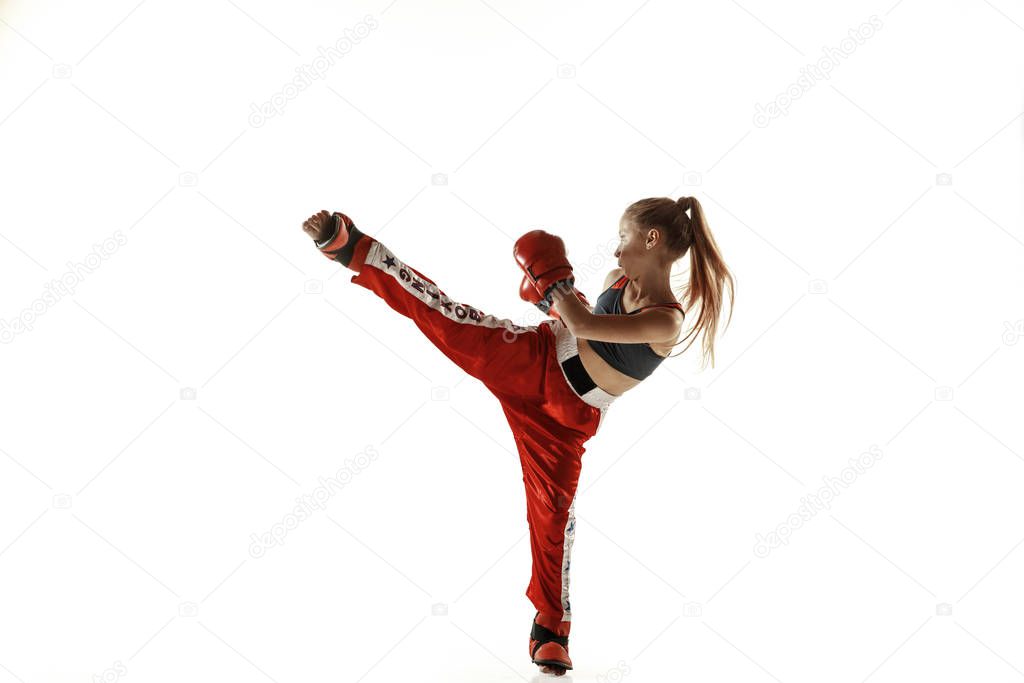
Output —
(610, 279)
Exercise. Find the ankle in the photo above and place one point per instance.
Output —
(357, 256)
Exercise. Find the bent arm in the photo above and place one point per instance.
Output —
(650, 326)
(570, 309)
(575, 313)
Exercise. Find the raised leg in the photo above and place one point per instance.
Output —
(507, 358)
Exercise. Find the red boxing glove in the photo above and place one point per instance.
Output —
(527, 292)
(542, 257)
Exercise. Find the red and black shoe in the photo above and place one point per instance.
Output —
(342, 239)
(549, 644)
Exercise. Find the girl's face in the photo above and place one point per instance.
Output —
(631, 247)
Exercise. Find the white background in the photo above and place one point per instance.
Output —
(876, 305)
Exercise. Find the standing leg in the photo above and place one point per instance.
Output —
(551, 471)
(550, 436)
(551, 458)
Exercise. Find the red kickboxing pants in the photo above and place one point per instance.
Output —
(551, 404)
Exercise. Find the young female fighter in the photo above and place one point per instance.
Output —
(555, 380)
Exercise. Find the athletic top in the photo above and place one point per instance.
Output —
(636, 360)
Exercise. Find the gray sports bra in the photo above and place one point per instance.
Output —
(636, 360)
